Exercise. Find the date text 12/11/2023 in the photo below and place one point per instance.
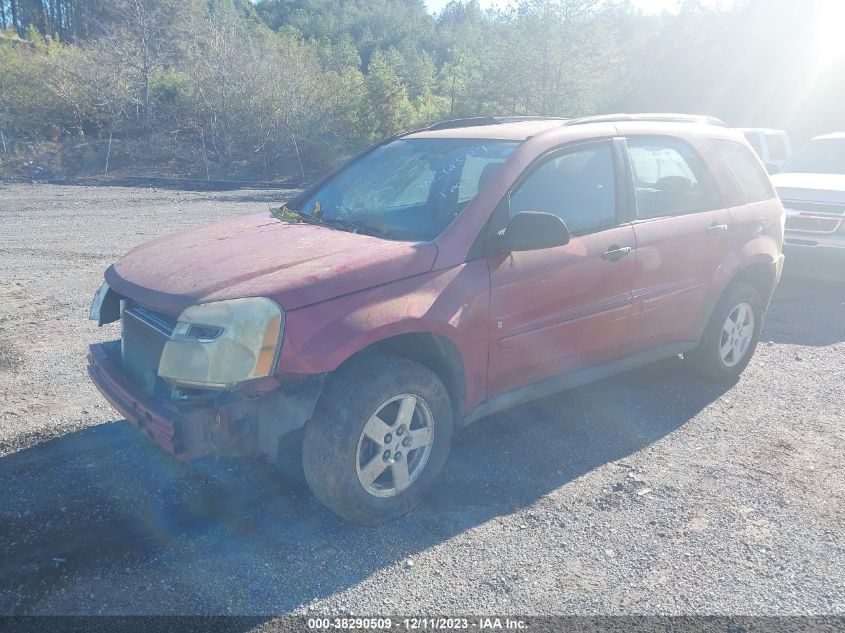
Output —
(417, 623)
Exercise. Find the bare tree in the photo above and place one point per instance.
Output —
(98, 87)
(255, 91)
(141, 33)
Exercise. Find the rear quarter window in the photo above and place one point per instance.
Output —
(750, 178)
(753, 139)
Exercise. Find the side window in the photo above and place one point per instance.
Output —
(577, 186)
(670, 178)
(749, 176)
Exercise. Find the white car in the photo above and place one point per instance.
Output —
(772, 146)
(812, 187)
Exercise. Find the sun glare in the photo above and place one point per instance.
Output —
(830, 43)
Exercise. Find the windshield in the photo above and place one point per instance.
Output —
(823, 156)
(408, 189)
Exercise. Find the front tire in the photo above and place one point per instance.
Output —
(731, 335)
(378, 439)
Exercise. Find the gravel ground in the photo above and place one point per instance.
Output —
(651, 492)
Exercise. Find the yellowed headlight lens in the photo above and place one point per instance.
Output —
(269, 345)
(246, 347)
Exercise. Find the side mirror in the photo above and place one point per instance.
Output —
(531, 231)
(772, 168)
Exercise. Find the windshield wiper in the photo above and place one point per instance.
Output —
(286, 214)
(356, 227)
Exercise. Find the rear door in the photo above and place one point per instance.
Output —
(683, 236)
(560, 309)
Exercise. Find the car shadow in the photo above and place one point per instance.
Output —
(806, 312)
(102, 504)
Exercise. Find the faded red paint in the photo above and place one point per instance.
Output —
(295, 264)
(514, 319)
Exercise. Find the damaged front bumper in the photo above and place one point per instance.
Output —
(224, 423)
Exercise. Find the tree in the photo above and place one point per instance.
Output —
(254, 91)
(98, 87)
(145, 35)
(282, 87)
(387, 94)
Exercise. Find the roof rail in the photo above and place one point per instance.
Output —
(649, 116)
(489, 120)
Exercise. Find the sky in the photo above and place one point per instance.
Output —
(650, 6)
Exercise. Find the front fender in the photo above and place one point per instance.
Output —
(453, 303)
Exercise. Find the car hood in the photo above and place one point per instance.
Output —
(295, 264)
(821, 188)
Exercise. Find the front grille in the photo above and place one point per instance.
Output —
(144, 334)
(813, 217)
(812, 224)
(164, 323)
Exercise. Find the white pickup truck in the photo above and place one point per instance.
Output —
(812, 187)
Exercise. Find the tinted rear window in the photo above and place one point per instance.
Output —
(747, 172)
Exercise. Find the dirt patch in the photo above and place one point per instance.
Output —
(10, 358)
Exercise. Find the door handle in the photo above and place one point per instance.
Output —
(616, 253)
(717, 228)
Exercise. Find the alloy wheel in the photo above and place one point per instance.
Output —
(394, 446)
(737, 333)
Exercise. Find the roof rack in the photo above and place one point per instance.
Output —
(489, 120)
(649, 116)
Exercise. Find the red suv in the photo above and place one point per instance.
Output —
(438, 277)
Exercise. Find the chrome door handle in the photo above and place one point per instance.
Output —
(615, 254)
(717, 228)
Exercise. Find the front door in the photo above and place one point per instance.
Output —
(559, 309)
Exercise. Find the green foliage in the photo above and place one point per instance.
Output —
(27, 104)
(371, 24)
(278, 88)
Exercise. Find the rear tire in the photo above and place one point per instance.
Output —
(731, 335)
(371, 468)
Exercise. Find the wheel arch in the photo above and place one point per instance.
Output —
(760, 274)
(435, 351)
